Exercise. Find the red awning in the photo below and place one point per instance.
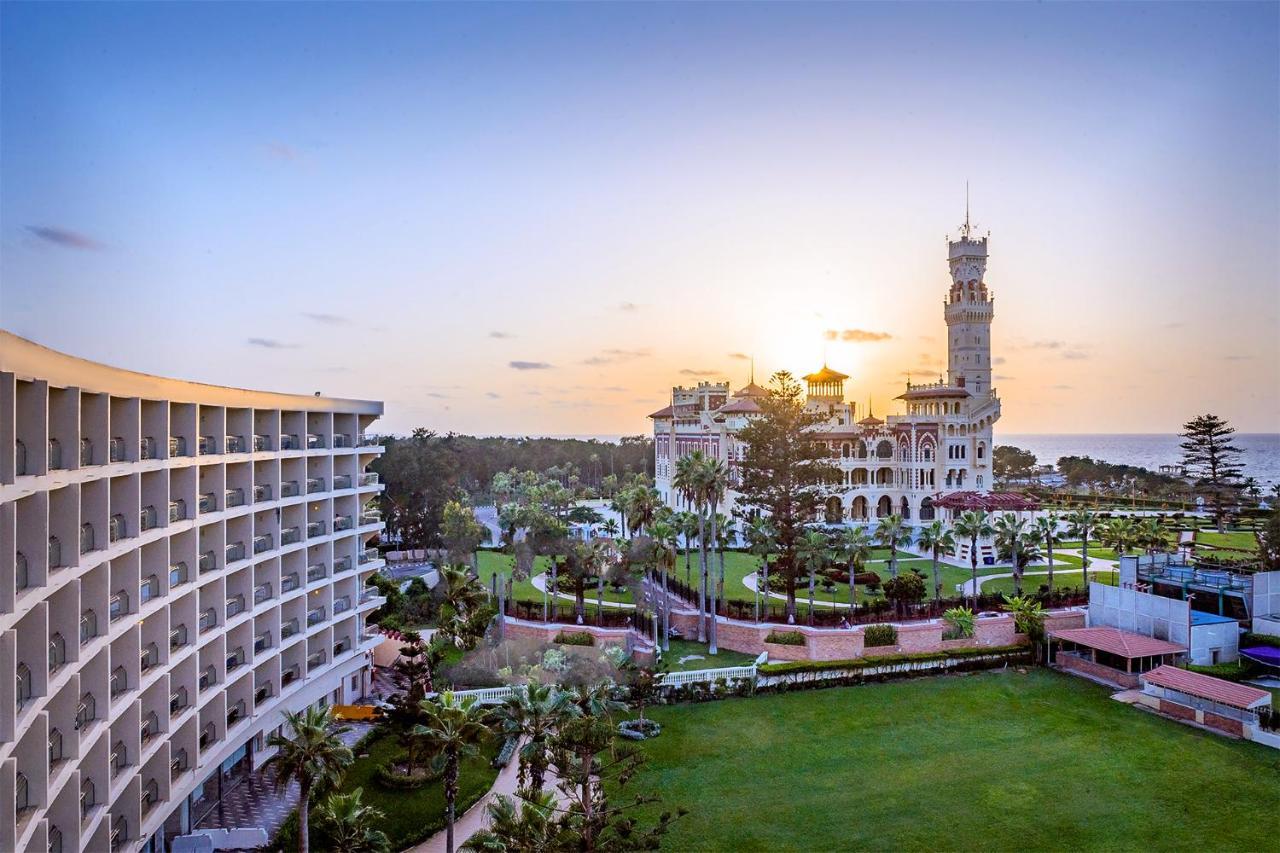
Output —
(1207, 687)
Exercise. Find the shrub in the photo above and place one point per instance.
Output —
(785, 667)
(960, 622)
(1248, 638)
(389, 777)
(639, 729)
(880, 635)
(785, 638)
(575, 638)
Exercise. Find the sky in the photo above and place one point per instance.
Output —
(536, 218)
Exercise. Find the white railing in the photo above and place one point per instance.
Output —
(709, 676)
(488, 695)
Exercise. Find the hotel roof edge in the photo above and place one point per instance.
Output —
(29, 360)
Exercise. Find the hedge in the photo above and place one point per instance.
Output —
(1248, 638)
(880, 635)
(885, 660)
(785, 638)
(575, 638)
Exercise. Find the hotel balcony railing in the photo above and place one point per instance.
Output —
(22, 577)
(119, 681)
(315, 484)
(178, 701)
(88, 626)
(262, 642)
(289, 489)
(316, 572)
(341, 605)
(288, 583)
(236, 659)
(342, 564)
(369, 638)
(235, 713)
(315, 660)
(315, 528)
(290, 535)
(148, 518)
(368, 555)
(234, 444)
(148, 589)
(261, 443)
(178, 764)
(57, 652)
(261, 493)
(148, 448)
(118, 605)
(116, 450)
(55, 553)
(177, 510)
(315, 441)
(288, 629)
(263, 543)
(208, 562)
(341, 647)
(368, 440)
(149, 656)
(208, 502)
(368, 595)
(261, 593)
(119, 758)
(208, 445)
(235, 551)
(208, 620)
(87, 538)
(208, 736)
(289, 442)
(315, 617)
(120, 834)
(290, 675)
(55, 455)
(177, 445)
(177, 637)
(342, 522)
(235, 605)
(117, 529)
(86, 452)
(233, 497)
(86, 711)
(341, 439)
(369, 478)
(150, 796)
(88, 798)
(150, 726)
(208, 678)
(19, 457)
(262, 694)
(370, 518)
(341, 481)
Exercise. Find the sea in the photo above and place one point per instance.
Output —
(1260, 460)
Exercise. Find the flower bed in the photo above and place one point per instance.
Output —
(639, 729)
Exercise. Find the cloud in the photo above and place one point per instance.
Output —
(270, 343)
(493, 395)
(282, 151)
(740, 356)
(529, 365)
(328, 319)
(857, 336)
(999, 377)
(1061, 387)
(616, 389)
(1075, 355)
(628, 306)
(688, 371)
(612, 356)
(1237, 358)
(502, 336)
(65, 238)
(534, 392)
(998, 360)
(437, 395)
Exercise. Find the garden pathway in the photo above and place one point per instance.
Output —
(1096, 564)
(539, 582)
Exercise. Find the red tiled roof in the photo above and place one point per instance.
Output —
(751, 389)
(742, 404)
(870, 420)
(1126, 644)
(662, 413)
(989, 501)
(1208, 687)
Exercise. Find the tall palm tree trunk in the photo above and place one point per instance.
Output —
(1084, 558)
(702, 572)
(1049, 543)
(1017, 569)
(853, 591)
(304, 814)
(450, 797)
(711, 627)
(666, 612)
(937, 578)
(765, 594)
(973, 569)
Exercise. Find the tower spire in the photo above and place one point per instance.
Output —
(966, 209)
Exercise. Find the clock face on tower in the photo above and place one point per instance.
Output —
(967, 271)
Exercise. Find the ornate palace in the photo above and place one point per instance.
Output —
(941, 444)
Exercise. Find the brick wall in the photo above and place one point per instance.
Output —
(1071, 663)
(1181, 712)
(1225, 724)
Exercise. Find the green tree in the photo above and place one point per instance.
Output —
(1028, 618)
(1269, 543)
(466, 610)
(854, 546)
(973, 525)
(905, 590)
(891, 533)
(690, 482)
(760, 539)
(312, 754)
(451, 732)
(1081, 523)
(1016, 543)
(1118, 534)
(687, 524)
(462, 533)
(1210, 457)
(525, 825)
(937, 539)
(533, 713)
(715, 482)
(1045, 530)
(785, 471)
(1009, 463)
(812, 552)
(350, 824)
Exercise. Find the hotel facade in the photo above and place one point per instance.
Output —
(941, 444)
(179, 565)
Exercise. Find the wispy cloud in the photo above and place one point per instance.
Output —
(437, 395)
(493, 395)
(282, 151)
(529, 365)
(739, 356)
(688, 371)
(1075, 355)
(1237, 358)
(614, 356)
(502, 336)
(270, 343)
(1062, 387)
(857, 336)
(1046, 345)
(999, 377)
(628, 306)
(998, 360)
(65, 238)
(327, 319)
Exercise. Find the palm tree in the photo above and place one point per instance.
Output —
(715, 482)
(534, 713)
(1045, 529)
(349, 823)
(760, 538)
(313, 756)
(583, 560)
(609, 527)
(973, 525)
(854, 545)
(936, 538)
(812, 551)
(464, 596)
(1118, 534)
(688, 480)
(687, 524)
(451, 733)
(526, 825)
(619, 504)
(1016, 543)
(891, 533)
(1150, 536)
(597, 700)
(664, 536)
(1079, 524)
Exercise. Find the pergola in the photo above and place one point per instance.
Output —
(986, 501)
(1125, 653)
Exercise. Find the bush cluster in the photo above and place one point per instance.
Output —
(880, 635)
(388, 777)
(785, 638)
(639, 729)
(786, 667)
(575, 638)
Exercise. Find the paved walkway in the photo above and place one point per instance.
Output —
(539, 582)
(1063, 570)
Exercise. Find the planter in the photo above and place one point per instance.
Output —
(639, 729)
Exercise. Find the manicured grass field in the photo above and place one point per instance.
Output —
(1062, 579)
(1236, 540)
(688, 648)
(996, 761)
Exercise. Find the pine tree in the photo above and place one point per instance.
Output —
(785, 472)
(1210, 457)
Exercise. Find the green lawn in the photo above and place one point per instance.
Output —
(1235, 540)
(1062, 579)
(492, 562)
(686, 648)
(996, 761)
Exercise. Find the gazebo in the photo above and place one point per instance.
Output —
(1111, 655)
(985, 501)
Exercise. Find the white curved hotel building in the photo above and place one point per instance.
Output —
(179, 564)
